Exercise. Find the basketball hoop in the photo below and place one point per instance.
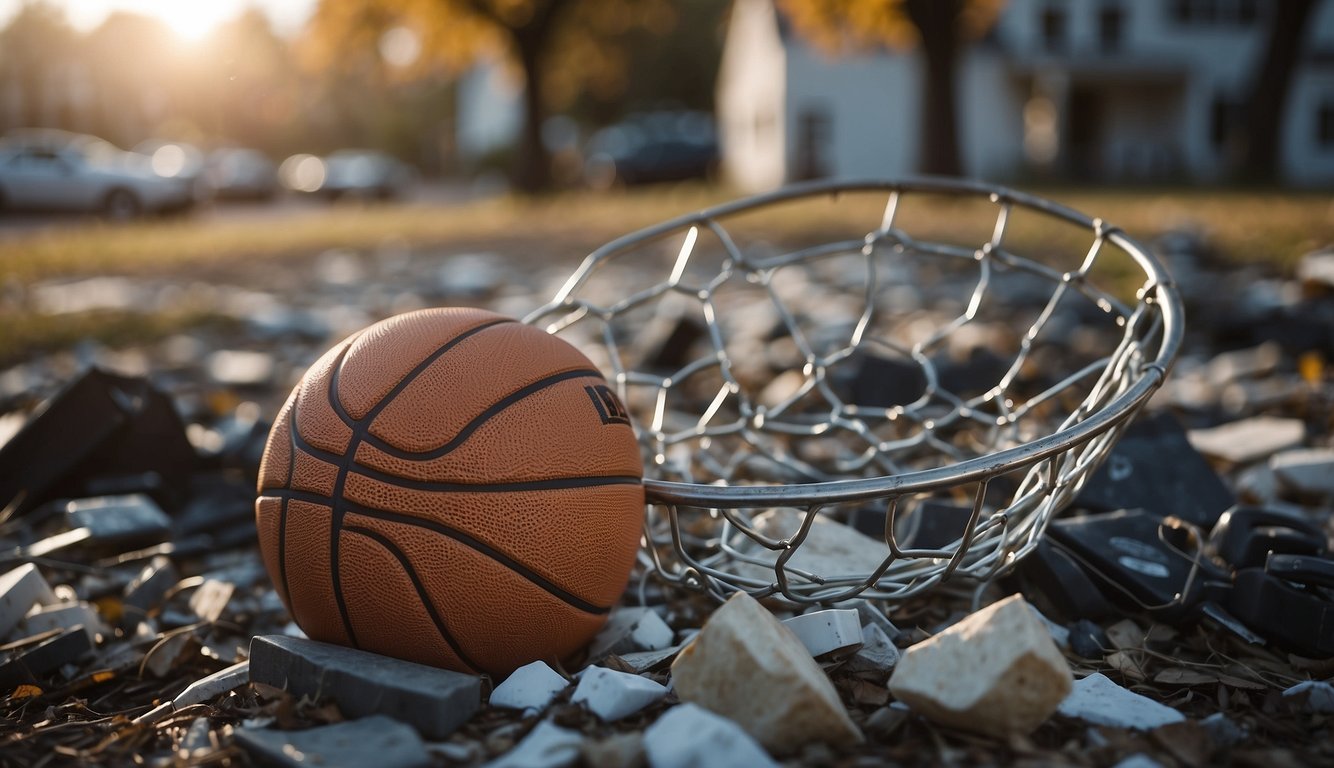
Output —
(1014, 338)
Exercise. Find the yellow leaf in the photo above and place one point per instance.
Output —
(24, 692)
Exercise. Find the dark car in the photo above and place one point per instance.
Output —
(236, 173)
(652, 147)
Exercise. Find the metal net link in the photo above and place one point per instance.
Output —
(804, 409)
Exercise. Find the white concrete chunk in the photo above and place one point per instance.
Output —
(1242, 442)
(612, 695)
(996, 672)
(1313, 695)
(827, 631)
(629, 630)
(642, 661)
(830, 549)
(693, 737)
(529, 688)
(877, 653)
(1098, 700)
(1307, 471)
(746, 665)
(45, 618)
(546, 746)
(20, 590)
(1139, 760)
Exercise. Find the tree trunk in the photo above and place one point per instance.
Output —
(1270, 87)
(532, 170)
(937, 23)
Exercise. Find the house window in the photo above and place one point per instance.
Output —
(1110, 23)
(1053, 28)
(1225, 117)
(1324, 125)
(814, 131)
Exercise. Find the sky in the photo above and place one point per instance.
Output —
(191, 18)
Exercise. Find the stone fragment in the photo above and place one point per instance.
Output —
(546, 746)
(1248, 440)
(210, 599)
(201, 690)
(612, 695)
(877, 654)
(1223, 731)
(147, 591)
(127, 521)
(997, 672)
(529, 688)
(434, 701)
(1317, 268)
(1313, 696)
(36, 662)
(376, 740)
(20, 590)
(1098, 700)
(63, 616)
(629, 630)
(1088, 640)
(786, 701)
(689, 736)
(241, 368)
(642, 661)
(872, 615)
(1059, 634)
(1139, 760)
(835, 629)
(831, 549)
(1309, 471)
(1250, 363)
(883, 722)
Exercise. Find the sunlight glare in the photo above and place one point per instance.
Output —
(192, 20)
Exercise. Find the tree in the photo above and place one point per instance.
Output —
(453, 32)
(1270, 86)
(938, 26)
(35, 39)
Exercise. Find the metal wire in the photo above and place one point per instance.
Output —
(741, 363)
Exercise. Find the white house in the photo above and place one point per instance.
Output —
(1096, 89)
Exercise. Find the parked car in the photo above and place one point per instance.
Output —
(357, 173)
(57, 171)
(235, 173)
(175, 160)
(652, 147)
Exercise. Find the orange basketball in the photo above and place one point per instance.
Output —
(455, 488)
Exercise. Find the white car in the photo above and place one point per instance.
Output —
(67, 172)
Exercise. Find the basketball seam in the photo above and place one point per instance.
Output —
(480, 419)
(544, 484)
(472, 543)
(422, 595)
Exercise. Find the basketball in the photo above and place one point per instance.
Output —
(454, 488)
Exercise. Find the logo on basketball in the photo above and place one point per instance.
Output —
(609, 408)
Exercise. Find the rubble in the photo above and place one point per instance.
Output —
(51, 652)
(827, 631)
(787, 700)
(877, 655)
(434, 701)
(63, 616)
(375, 740)
(529, 688)
(1098, 700)
(995, 672)
(546, 746)
(612, 695)
(1313, 696)
(1248, 440)
(1306, 471)
(688, 736)
(630, 630)
(20, 590)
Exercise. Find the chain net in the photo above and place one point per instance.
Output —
(867, 389)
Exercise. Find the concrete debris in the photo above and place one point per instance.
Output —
(870, 614)
(546, 746)
(1098, 700)
(20, 590)
(612, 695)
(147, 591)
(786, 702)
(1306, 471)
(688, 736)
(831, 549)
(629, 630)
(1138, 761)
(33, 663)
(63, 616)
(827, 631)
(1224, 731)
(210, 599)
(1313, 696)
(376, 740)
(529, 688)
(876, 656)
(434, 701)
(643, 661)
(995, 672)
(200, 691)
(241, 368)
(1248, 440)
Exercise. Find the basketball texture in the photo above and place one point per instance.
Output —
(455, 488)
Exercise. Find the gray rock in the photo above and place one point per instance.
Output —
(1088, 640)
(1313, 696)
(1309, 472)
(129, 519)
(434, 701)
(612, 695)
(1241, 442)
(1250, 363)
(529, 688)
(693, 737)
(376, 740)
(1317, 268)
(199, 691)
(629, 630)
(827, 631)
(1098, 700)
(642, 661)
(870, 614)
(877, 654)
(36, 662)
(1138, 761)
(1224, 732)
(64, 616)
(20, 590)
(546, 746)
(210, 599)
(147, 591)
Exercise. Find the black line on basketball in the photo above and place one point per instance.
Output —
(417, 585)
(546, 484)
(482, 418)
(459, 536)
(282, 515)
